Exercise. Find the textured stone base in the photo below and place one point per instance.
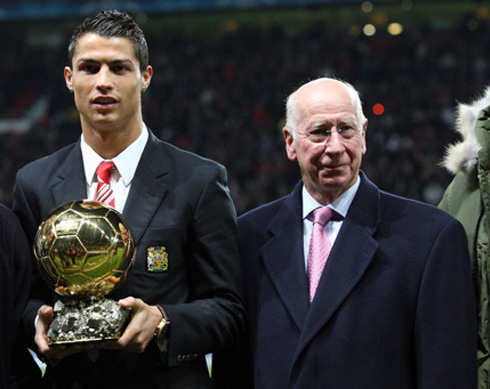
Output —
(87, 320)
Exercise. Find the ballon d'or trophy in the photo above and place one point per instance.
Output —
(84, 251)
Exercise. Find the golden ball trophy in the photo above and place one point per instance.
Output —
(84, 251)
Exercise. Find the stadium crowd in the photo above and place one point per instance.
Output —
(223, 97)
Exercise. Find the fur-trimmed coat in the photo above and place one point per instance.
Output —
(468, 199)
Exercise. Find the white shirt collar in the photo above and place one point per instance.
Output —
(124, 161)
(340, 205)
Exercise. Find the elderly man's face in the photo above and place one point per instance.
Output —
(331, 166)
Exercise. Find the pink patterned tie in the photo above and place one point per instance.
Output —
(104, 191)
(319, 247)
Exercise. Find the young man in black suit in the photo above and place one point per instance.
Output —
(174, 201)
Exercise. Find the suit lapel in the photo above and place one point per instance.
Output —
(148, 188)
(284, 258)
(349, 259)
(70, 184)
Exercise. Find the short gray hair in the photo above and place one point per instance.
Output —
(292, 116)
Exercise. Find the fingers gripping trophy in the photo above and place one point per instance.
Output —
(84, 251)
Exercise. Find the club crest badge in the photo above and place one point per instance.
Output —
(156, 259)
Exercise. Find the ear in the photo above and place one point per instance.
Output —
(364, 130)
(290, 144)
(146, 78)
(69, 78)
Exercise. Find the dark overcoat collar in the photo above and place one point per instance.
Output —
(353, 251)
(283, 257)
(348, 261)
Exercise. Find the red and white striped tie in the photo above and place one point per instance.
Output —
(104, 191)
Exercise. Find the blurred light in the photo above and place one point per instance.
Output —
(231, 25)
(141, 18)
(407, 5)
(482, 13)
(367, 6)
(472, 24)
(395, 28)
(378, 109)
(369, 30)
(379, 18)
(354, 30)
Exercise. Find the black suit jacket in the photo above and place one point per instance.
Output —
(177, 200)
(15, 281)
(394, 307)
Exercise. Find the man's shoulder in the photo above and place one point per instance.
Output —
(394, 208)
(177, 157)
(7, 217)
(51, 161)
(185, 166)
(263, 214)
(406, 210)
(12, 230)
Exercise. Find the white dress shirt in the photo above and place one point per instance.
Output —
(340, 205)
(120, 179)
(126, 163)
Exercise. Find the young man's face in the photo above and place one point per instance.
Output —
(107, 82)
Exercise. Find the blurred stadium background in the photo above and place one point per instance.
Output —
(222, 69)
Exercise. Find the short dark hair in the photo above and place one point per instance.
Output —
(112, 23)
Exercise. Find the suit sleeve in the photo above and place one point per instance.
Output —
(15, 272)
(445, 327)
(215, 316)
(17, 257)
(28, 220)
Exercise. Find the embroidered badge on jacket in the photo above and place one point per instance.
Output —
(156, 259)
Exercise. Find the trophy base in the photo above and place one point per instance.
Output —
(90, 319)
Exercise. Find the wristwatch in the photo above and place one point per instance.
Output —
(162, 331)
